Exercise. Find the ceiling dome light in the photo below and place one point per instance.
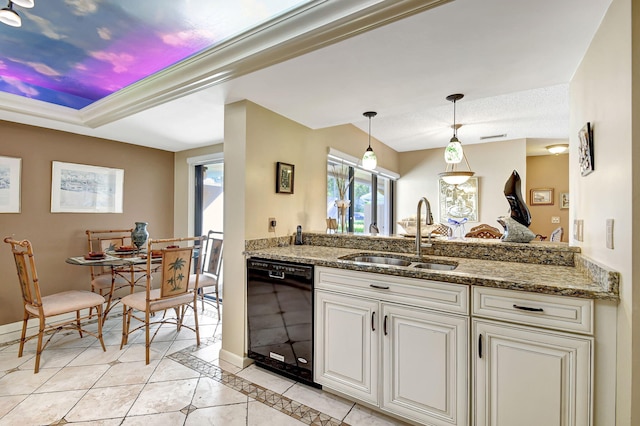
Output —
(9, 16)
(558, 148)
(369, 159)
(27, 4)
(454, 154)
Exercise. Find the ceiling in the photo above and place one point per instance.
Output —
(325, 63)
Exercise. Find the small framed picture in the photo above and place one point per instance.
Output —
(542, 197)
(585, 152)
(564, 200)
(10, 184)
(284, 178)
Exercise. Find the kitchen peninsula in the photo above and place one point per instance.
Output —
(423, 344)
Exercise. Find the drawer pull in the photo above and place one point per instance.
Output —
(373, 321)
(381, 287)
(526, 308)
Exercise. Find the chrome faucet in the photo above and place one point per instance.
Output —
(428, 221)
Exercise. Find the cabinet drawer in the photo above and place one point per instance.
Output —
(409, 291)
(557, 312)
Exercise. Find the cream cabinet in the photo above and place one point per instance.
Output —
(531, 376)
(407, 359)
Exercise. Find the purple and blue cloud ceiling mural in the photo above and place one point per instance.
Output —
(75, 52)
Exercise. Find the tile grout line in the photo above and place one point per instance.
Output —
(268, 397)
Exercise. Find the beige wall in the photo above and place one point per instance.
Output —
(492, 163)
(601, 93)
(548, 171)
(148, 197)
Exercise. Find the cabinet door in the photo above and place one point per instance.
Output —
(346, 345)
(531, 377)
(425, 365)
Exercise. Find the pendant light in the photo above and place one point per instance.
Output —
(369, 159)
(27, 4)
(9, 16)
(454, 154)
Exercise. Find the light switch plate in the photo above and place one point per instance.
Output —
(555, 219)
(578, 225)
(610, 234)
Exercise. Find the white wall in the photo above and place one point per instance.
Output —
(601, 93)
(492, 163)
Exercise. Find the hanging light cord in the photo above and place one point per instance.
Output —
(369, 132)
(455, 129)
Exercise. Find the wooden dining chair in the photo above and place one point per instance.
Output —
(53, 305)
(211, 268)
(172, 259)
(107, 280)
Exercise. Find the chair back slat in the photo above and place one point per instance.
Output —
(215, 256)
(105, 240)
(176, 265)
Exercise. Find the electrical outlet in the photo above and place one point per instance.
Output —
(272, 224)
(555, 219)
(610, 234)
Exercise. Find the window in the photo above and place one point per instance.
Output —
(366, 206)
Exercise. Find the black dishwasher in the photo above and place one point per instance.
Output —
(280, 317)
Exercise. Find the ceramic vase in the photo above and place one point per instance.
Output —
(140, 234)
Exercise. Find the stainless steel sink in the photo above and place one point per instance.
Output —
(382, 260)
(401, 261)
(435, 266)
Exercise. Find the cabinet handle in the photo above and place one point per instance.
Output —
(480, 346)
(526, 308)
(373, 321)
(382, 287)
(384, 325)
(276, 275)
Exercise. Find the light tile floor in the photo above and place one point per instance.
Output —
(184, 384)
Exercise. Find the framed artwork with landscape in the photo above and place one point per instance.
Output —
(542, 197)
(284, 178)
(80, 188)
(10, 184)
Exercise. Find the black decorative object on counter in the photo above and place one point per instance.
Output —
(519, 209)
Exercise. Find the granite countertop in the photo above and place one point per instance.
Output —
(579, 280)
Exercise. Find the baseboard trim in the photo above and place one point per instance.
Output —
(233, 359)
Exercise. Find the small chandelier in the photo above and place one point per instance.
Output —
(369, 159)
(454, 154)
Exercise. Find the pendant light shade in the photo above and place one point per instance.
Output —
(9, 16)
(369, 159)
(454, 154)
(27, 4)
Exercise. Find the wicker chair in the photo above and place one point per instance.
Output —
(107, 280)
(45, 307)
(174, 292)
(211, 268)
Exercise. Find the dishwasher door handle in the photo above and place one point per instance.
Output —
(276, 275)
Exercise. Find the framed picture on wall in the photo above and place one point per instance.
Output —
(541, 197)
(79, 188)
(284, 177)
(458, 201)
(10, 184)
(585, 151)
(564, 200)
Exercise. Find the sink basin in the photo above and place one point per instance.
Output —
(435, 266)
(383, 260)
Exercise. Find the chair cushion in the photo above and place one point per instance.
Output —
(67, 301)
(139, 300)
(206, 280)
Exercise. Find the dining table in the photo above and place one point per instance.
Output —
(129, 265)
